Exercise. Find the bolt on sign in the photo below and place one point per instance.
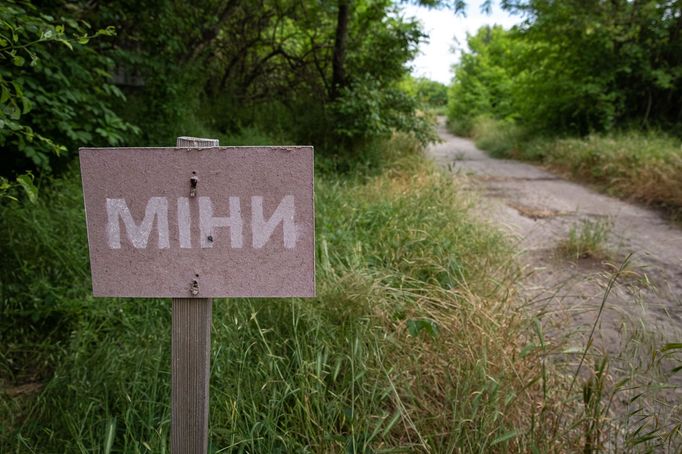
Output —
(200, 222)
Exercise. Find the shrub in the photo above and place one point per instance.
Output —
(501, 138)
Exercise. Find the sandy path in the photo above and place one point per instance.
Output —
(537, 209)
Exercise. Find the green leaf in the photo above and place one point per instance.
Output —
(17, 88)
(66, 43)
(394, 419)
(26, 182)
(18, 60)
(4, 95)
(4, 184)
(505, 437)
(109, 436)
(671, 346)
(416, 326)
(26, 105)
(109, 31)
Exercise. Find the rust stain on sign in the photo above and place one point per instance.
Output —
(204, 222)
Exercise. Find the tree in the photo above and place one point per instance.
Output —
(576, 67)
(484, 78)
(428, 92)
(55, 92)
(281, 65)
(592, 65)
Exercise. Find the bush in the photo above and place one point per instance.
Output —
(644, 166)
(366, 111)
(56, 91)
(502, 138)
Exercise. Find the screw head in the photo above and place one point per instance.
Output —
(194, 289)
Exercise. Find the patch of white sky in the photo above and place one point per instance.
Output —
(447, 34)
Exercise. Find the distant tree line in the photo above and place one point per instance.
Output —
(575, 67)
(429, 93)
(125, 72)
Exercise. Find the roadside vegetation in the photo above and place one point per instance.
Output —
(414, 342)
(432, 95)
(591, 90)
(645, 166)
(417, 340)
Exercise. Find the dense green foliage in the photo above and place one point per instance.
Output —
(298, 71)
(607, 71)
(430, 93)
(55, 91)
(593, 65)
(267, 64)
(576, 67)
(483, 79)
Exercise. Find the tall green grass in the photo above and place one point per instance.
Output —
(642, 165)
(415, 343)
(398, 351)
(587, 239)
(499, 137)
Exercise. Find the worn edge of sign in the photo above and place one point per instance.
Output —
(312, 191)
(85, 213)
(283, 148)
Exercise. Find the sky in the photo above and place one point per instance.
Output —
(443, 27)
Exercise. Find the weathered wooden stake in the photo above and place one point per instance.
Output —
(191, 358)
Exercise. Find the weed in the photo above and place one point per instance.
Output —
(624, 394)
(593, 392)
(586, 240)
(642, 165)
(459, 128)
(647, 167)
(500, 138)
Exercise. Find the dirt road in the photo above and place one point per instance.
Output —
(538, 208)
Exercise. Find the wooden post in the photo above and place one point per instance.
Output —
(191, 358)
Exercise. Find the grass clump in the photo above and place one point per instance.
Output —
(644, 166)
(501, 138)
(587, 239)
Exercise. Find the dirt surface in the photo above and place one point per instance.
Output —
(538, 209)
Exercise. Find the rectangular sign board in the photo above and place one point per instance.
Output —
(202, 222)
